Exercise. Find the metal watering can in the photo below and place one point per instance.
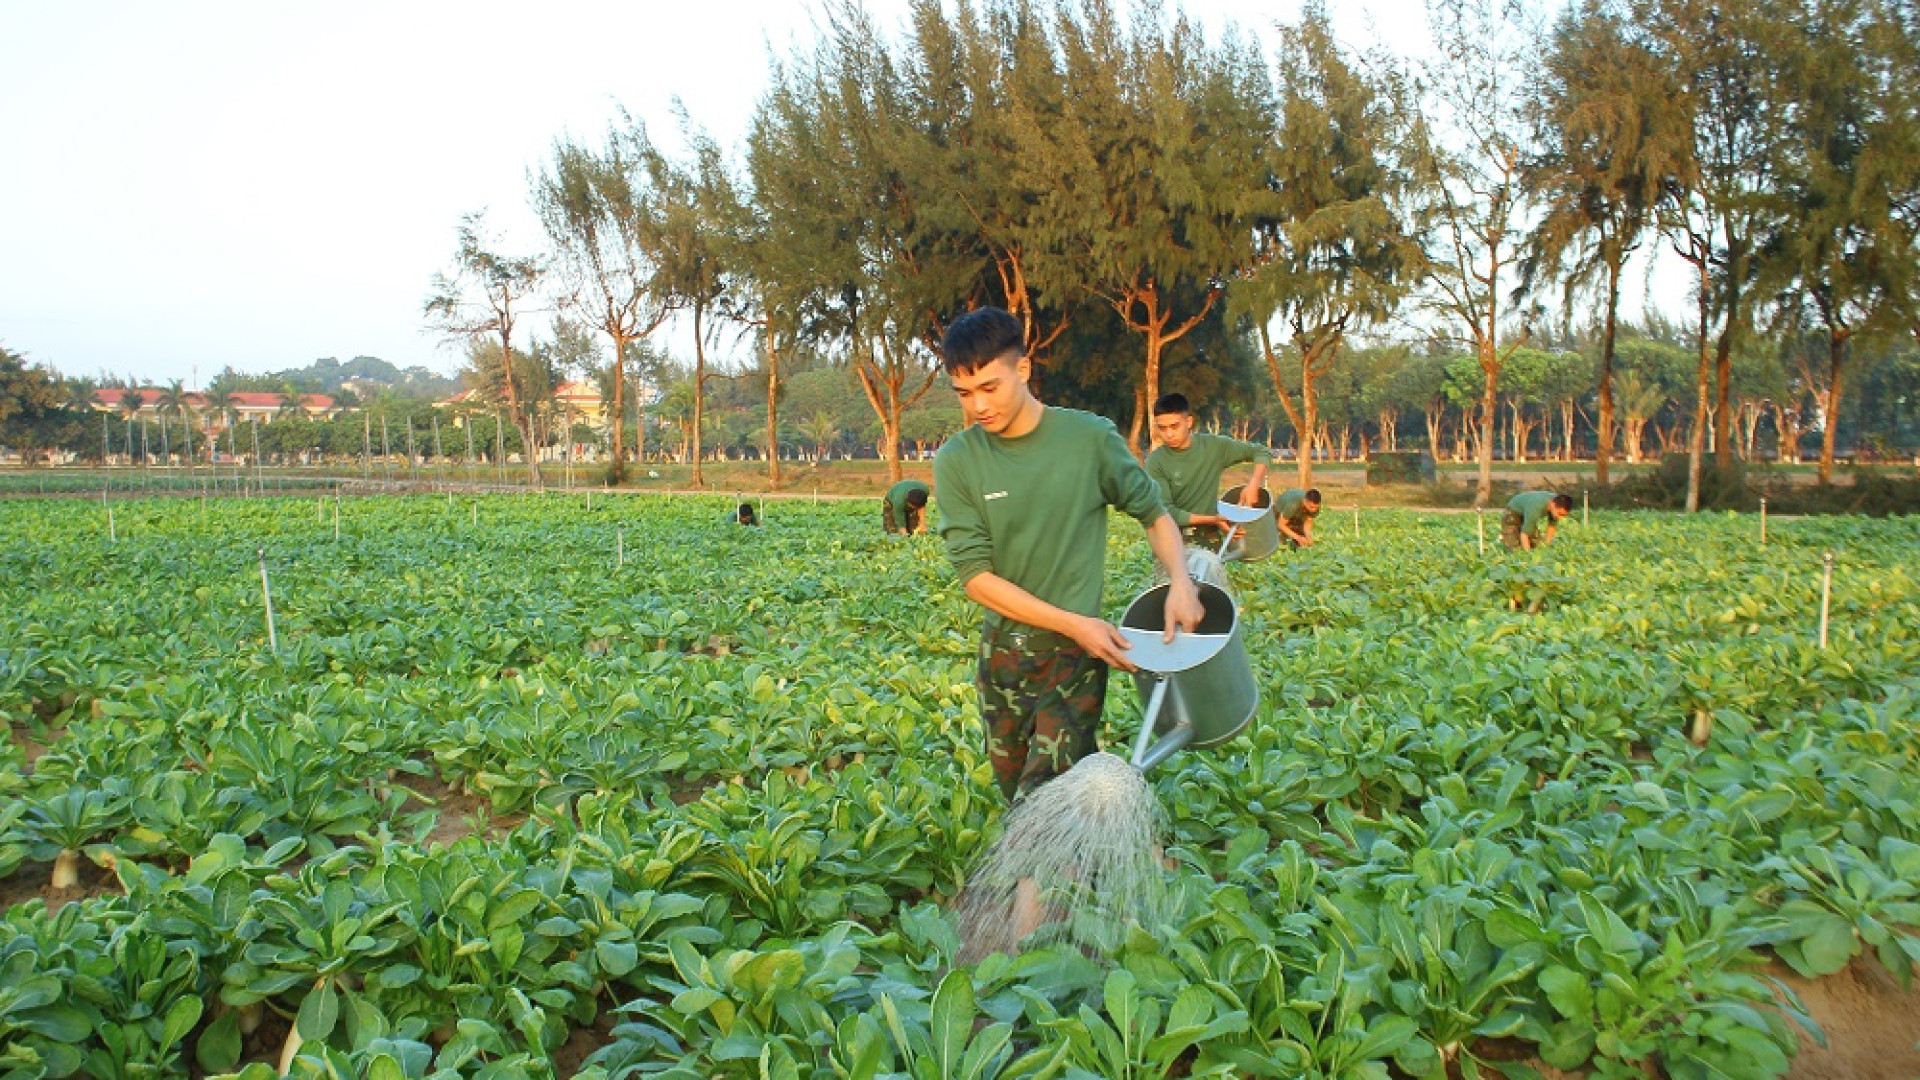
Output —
(1260, 534)
(1199, 688)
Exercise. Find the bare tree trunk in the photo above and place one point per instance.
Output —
(1750, 413)
(773, 407)
(1696, 451)
(1836, 352)
(1139, 419)
(1489, 401)
(1604, 434)
(699, 389)
(1786, 422)
(619, 402)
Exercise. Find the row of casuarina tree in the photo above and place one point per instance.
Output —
(1071, 161)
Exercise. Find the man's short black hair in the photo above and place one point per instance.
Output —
(917, 498)
(745, 513)
(1564, 502)
(1172, 403)
(1313, 495)
(980, 337)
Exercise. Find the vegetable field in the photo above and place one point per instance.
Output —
(525, 788)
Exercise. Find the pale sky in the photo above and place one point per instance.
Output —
(192, 185)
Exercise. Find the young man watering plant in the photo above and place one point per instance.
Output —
(1294, 512)
(1024, 492)
(1532, 517)
(903, 511)
(1187, 466)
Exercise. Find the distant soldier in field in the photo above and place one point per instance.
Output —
(1532, 517)
(1294, 512)
(1187, 465)
(904, 509)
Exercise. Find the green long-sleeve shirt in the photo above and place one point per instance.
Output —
(1190, 479)
(1033, 510)
(897, 499)
(1532, 508)
(1291, 507)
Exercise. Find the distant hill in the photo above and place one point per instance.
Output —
(365, 375)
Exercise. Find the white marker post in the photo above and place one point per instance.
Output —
(1826, 593)
(1480, 526)
(619, 546)
(476, 513)
(1584, 502)
(113, 537)
(1356, 522)
(266, 599)
(336, 517)
(1763, 521)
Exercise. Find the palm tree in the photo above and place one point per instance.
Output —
(131, 400)
(173, 402)
(675, 410)
(821, 429)
(219, 402)
(1639, 399)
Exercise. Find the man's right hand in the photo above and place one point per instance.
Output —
(1102, 639)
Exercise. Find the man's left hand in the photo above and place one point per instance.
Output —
(1183, 608)
(1250, 496)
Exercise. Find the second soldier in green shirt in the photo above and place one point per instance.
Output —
(1187, 465)
(904, 510)
(1294, 512)
(1532, 517)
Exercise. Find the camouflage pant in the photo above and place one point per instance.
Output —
(1510, 522)
(892, 525)
(1041, 697)
(1203, 536)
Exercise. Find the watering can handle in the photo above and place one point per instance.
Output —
(1231, 529)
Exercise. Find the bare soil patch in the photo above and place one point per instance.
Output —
(29, 881)
(33, 748)
(1872, 1025)
(457, 814)
(581, 1044)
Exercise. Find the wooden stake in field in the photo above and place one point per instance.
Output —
(336, 517)
(1826, 593)
(266, 599)
(1480, 526)
(619, 546)
(1585, 501)
(113, 537)
(1356, 521)
(476, 513)
(1763, 521)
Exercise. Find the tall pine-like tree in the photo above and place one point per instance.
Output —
(1332, 253)
(1613, 136)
